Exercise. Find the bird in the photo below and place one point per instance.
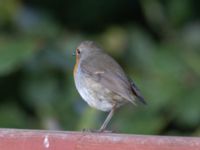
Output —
(101, 81)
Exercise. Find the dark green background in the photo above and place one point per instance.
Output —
(157, 42)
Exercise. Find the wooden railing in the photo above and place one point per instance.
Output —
(14, 139)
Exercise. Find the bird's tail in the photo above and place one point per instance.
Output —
(137, 93)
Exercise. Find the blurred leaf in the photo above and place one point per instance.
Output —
(40, 91)
(8, 8)
(193, 60)
(11, 116)
(115, 40)
(190, 37)
(187, 109)
(36, 24)
(138, 120)
(141, 48)
(88, 119)
(179, 11)
(13, 53)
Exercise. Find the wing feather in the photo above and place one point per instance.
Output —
(109, 74)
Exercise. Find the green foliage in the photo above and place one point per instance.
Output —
(13, 53)
(161, 53)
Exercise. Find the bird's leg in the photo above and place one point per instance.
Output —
(107, 120)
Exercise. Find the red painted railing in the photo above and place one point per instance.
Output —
(12, 139)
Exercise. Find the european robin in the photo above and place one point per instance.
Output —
(101, 81)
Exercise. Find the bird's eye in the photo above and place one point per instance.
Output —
(78, 51)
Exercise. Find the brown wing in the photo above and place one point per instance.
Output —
(109, 74)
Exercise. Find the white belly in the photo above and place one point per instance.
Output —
(92, 92)
(95, 101)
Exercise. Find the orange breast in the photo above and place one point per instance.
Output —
(76, 66)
